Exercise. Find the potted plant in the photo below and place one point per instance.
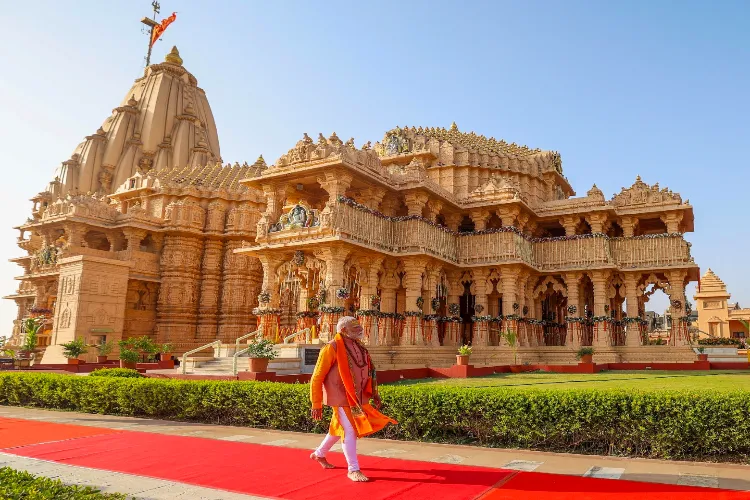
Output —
(260, 352)
(31, 326)
(129, 358)
(585, 354)
(462, 358)
(73, 349)
(166, 352)
(511, 338)
(701, 353)
(105, 348)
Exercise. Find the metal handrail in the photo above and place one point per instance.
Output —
(184, 356)
(306, 331)
(247, 335)
(234, 359)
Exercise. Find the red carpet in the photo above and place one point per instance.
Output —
(526, 485)
(264, 470)
(288, 473)
(15, 432)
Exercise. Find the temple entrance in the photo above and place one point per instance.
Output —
(467, 301)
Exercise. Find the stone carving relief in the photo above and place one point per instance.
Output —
(299, 216)
(641, 193)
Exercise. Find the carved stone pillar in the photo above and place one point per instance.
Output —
(389, 206)
(601, 326)
(372, 197)
(334, 258)
(679, 331)
(335, 183)
(415, 202)
(481, 336)
(74, 233)
(208, 307)
(508, 215)
(433, 209)
(431, 327)
(479, 216)
(633, 328)
(628, 225)
(509, 284)
(368, 290)
(241, 282)
(672, 221)
(596, 220)
(453, 221)
(574, 328)
(134, 237)
(177, 307)
(570, 222)
(414, 268)
(523, 219)
(388, 284)
(455, 290)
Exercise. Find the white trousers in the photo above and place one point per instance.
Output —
(349, 445)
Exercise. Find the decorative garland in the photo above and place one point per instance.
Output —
(677, 304)
(451, 319)
(375, 301)
(322, 296)
(516, 307)
(525, 310)
(266, 312)
(411, 314)
(420, 302)
(482, 319)
(478, 308)
(40, 310)
(431, 317)
(454, 309)
(331, 309)
(435, 303)
(342, 293)
(264, 297)
(313, 303)
(513, 317)
(367, 313)
(307, 314)
(572, 309)
(504, 229)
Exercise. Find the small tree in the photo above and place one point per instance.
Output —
(105, 348)
(511, 337)
(31, 327)
(261, 349)
(143, 346)
(74, 348)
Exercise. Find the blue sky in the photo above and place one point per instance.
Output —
(656, 88)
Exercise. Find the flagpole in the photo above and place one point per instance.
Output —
(151, 23)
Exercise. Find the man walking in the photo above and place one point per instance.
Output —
(344, 379)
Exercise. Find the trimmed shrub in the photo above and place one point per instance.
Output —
(720, 341)
(116, 372)
(660, 424)
(21, 484)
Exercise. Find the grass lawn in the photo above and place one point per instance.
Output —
(641, 380)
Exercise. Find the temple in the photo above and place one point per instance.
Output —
(434, 237)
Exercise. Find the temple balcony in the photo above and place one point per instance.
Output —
(413, 236)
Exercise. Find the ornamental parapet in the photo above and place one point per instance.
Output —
(413, 235)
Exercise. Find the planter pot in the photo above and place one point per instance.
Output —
(587, 358)
(166, 356)
(128, 364)
(462, 360)
(702, 357)
(74, 361)
(258, 365)
(101, 359)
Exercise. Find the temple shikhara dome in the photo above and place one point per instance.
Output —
(433, 236)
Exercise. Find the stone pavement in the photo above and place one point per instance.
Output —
(726, 476)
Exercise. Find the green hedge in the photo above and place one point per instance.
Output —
(116, 372)
(663, 424)
(22, 485)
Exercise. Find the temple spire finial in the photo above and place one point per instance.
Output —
(174, 57)
(454, 127)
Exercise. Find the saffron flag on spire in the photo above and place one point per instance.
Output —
(159, 29)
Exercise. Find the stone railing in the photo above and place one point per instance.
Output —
(415, 236)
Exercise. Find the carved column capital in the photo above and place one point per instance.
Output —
(628, 225)
(479, 216)
(596, 220)
(672, 221)
(570, 222)
(415, 202)
(433, 209)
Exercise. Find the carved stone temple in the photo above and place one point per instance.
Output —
(434, 237)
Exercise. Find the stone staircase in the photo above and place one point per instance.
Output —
(288, 362)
